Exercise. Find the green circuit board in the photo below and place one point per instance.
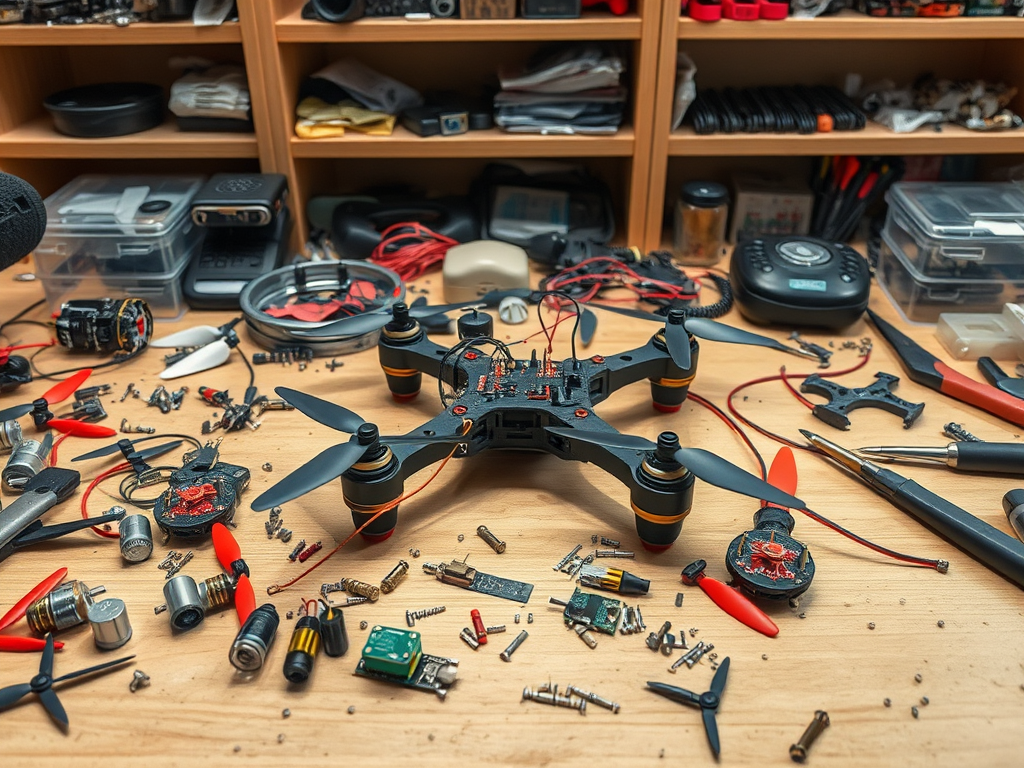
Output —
(601, 613)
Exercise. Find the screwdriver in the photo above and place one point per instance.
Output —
(997, 550)
(999, 458)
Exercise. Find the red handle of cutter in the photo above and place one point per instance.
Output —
(17, 644)
(737, 606)
(40, 589)
(980, 395)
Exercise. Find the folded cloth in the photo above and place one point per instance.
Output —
(588, 112)
(218, 91)
(318, 119)
(367, 86)
(577, 68)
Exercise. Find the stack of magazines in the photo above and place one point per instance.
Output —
(575, 90)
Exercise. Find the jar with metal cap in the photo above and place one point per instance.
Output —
(109, 621)
(701, 215)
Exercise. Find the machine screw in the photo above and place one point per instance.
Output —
(593, 698)
(492, 541)
(506, 655)
(625, 553)
(820, 722)
(139, 680)
(655, 639)
(562, 563)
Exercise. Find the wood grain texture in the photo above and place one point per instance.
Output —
(197, 710)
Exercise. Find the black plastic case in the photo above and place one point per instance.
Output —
(106, 109)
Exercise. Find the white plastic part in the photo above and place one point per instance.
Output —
(473, 269)
(968, 336)
(513, 310)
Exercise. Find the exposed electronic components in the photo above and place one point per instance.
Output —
(104, 325)
(396, 656)
(302, 650)
(458, 573)
(601, 613)
(201, 493)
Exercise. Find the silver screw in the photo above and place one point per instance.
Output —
(593, 698)
(820, 722)
(655, 639)
(467, 637)
(492, 541)
(506, 655)
(139, 680)
(622, 553)
(496, 629)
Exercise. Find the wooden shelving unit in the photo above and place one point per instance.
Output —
(167, 33)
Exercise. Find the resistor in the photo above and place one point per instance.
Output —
(298, 548)
(398, 573)
(478, 627)
(309, 551)
(355, 587)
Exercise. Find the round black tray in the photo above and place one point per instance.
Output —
(106, 109)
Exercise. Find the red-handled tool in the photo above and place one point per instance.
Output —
(728, 599)
(21, 644)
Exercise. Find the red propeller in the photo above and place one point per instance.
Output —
(728, 599)
(783, 474)
(59, 392)
(12, 643)
(229, 555)
(77, 428)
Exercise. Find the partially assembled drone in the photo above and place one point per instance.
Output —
(493, 400)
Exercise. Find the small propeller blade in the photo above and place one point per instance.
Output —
(199, 336)
(13, 693)
(46, 660)
(77, 428)
(717, 471)
(675, 693)
(17, 644)
(40, 589)
(738, 606)
(52, 704)
(321, 469)
(354, 325)
(322, 411)
(588, 326)
(712, 331)
(711, 729)
(678, 342)
(159, 450)
(638, 314)
(721, 675)
(426, 310)
(15, 412)
(62, 390)
(422, 439)
(92, 670)
(607, 439)
(225, 546)
(783, 471)
(107, 450)
(203, 359)
(245, 598)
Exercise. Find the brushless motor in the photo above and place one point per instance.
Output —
(10, 435)
(184, 604)
(136, 537)
(109, 621)
(25, 462)
(254, 639)
(302, 650)
(66, 606)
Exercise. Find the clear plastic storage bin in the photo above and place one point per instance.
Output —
(941, 228)
(921, 298)
(119, 227)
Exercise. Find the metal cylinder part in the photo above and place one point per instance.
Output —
(302, 650)
(109, 621)
(254, 639)
(10, 435)
(184, 603)
(217, 591)
(25, 462)
(65, 606)
(390, 582)
(369, 591)
(136, 537)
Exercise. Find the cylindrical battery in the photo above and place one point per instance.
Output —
(25, 462)
(184, 603)
(136, 538)
(109, 621)
(254, 639)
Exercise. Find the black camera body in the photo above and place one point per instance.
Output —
(339, 11)
(240, 200)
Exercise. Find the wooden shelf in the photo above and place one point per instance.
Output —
(38, 139)
(492, 143)
(873, 140)
(143, 33)
(849, 25)
(594, 25)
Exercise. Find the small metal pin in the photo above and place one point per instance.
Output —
(798, 751)
(492, 541)
(593, 698)
(506, 655)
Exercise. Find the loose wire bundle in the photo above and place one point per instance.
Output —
(410, 249)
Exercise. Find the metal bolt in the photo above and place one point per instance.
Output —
(467, 637)
(593, 698)
(496, 629)
(529, 618)
(623, 553)
(506, 655)
(571, 703)
(655, 639)
(679, 599)
(517, 618)
(871, 625)
(820, 722)
(139, 680)
(914, 711)
(924, 701)
(461, 537)
(363, 624)
(492, 541)
(918, 678)
(940, 623)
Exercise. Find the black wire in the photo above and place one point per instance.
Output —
(575, 326)
(17, 317)
(118, 360)
(252, 373)
(130, 484)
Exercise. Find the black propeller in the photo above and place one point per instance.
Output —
(708, 701)
(338, 459)
(145, 453)
(703, 328)
(42, 684)
(704, 464)
(371, 321)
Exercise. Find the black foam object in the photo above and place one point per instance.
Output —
(22, 219)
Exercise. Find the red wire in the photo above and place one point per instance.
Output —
(800, 398)
(118, 470)
(410, 249)
(53, 450)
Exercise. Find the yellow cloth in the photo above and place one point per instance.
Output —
(318, 119)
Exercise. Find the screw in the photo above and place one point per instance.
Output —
(918, 678)
(352, 709)
(461, 537)
(139, 680)
(940, 624)
(496, 629)
(568, 701)
(887, 702)
(655, 639)
(623, 553)
(914, 711)
(363, 624)
(492, 541)
(593, 698)
(267, 466)
(529, 618)
(506, 655)
(820, 722)
(158, 609)
(467, 637)
(679, 599)
(561, 563)
(924, 701)
(871, 625)
(286, 713)
(517, 618)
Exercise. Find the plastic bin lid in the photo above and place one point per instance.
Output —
(118, 205)
(975, 211)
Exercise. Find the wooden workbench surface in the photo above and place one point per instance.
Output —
(198, 710)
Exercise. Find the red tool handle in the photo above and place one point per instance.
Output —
(25, 644)
(738, 606)
(40, 589)
(980, 395)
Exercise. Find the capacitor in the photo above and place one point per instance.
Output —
(184, 604)
(10, 435)
(136, 537)
(479, 629)
(253, 641)
(390, 582)
(332, 630)
(302, 650)
(66, 606)
(25, 462)
(109, 621)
